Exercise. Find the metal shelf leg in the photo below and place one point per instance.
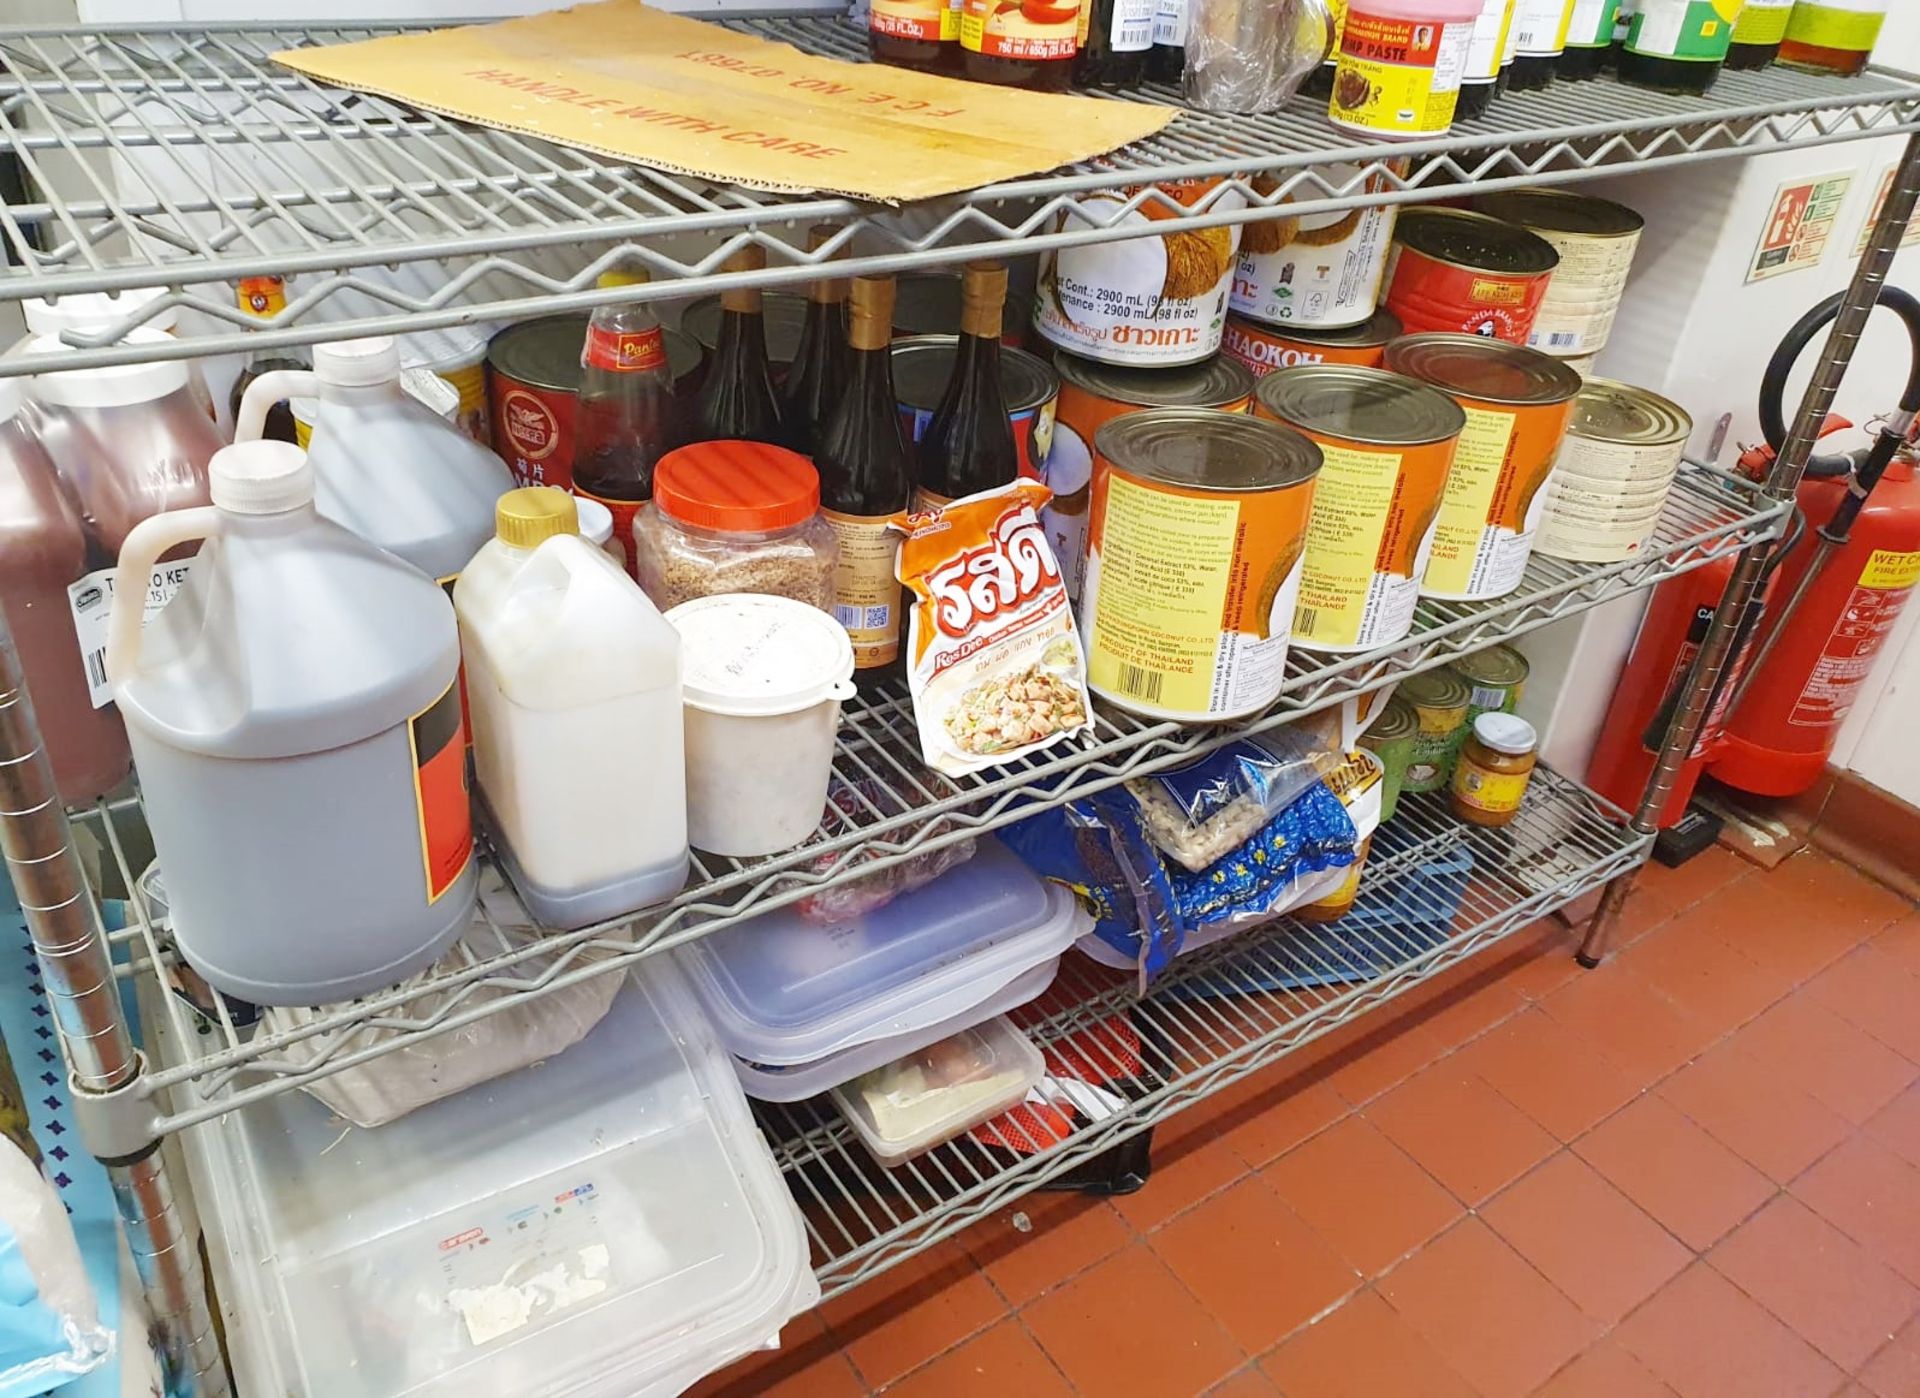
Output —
(103, 1066)
(1705, 679)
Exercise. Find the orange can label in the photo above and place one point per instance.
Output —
(1374, 512)
(1069, 472)
(1494, 498)
(1189, 596)
(1264, 349)
(1431, 295)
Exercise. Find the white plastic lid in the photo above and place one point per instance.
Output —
(112, 385)
(750, 656)
(94, 310)
(357, 363)
(596, 521)
(260, 478)
(1508, 733)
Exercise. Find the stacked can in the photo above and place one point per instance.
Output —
(1464, 273)
(1616, 467)
(1596, 240)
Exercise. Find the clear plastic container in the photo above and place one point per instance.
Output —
(783, 991)
(608, 1223)
(735, 517)
(795, 1082)
(914, 1103)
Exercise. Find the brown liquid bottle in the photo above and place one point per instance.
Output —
(866, 478)
(1020, 43)
(623, 419)
(264, 298)
(736, 400)
(918, 34)
(818, 377)
(969, 445)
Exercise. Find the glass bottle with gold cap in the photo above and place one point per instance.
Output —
(573, 686)
(623, 421)
(264, 298)
(866, 478)
(736, 400)
(818, 378)
(969, 446)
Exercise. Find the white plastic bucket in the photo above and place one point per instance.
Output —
(764, 681)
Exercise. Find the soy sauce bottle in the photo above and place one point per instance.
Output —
(736, 398)
(918, 34)
(1757, 36)
(818, 377)
(1115, 38)
(264, 298)
(969, 446)
(1167, 59)
(1542, 26)
(866, 478)
(1590, 38)
(1675, 46)
(1486, 58)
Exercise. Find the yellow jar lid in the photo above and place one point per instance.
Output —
(623, 276)
(523, 518)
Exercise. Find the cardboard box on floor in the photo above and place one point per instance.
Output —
(694, 98)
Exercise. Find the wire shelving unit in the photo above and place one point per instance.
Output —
(183, 159)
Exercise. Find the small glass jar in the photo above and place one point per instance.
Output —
(1338, 903)
(1490, 780)
(733, 516)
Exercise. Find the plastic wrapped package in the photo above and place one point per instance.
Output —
(50, 1330)
(1262, 877)
(1199, 813)
(427, 1070)
(848, 804)
(1252, 55)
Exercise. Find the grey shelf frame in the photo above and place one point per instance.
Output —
(229, 165)
(906, 810)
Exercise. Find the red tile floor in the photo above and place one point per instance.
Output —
(1695, 1171)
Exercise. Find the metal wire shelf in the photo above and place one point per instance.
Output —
(892, 809)
(184, 159)
(1218, 1015)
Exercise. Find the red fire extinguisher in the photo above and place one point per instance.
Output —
(1829, 602)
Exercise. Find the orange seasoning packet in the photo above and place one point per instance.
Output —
(993, 656)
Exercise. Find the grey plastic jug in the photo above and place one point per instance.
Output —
(384, 465)
(296, 726)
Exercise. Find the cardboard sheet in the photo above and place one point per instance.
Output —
(683, 95)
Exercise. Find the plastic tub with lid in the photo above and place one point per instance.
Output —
(763, 679)
(914, 1103)
(795, 1082)
(735, 517)
(781, 990)
(605, 1224)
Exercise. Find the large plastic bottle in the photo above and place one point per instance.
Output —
(296, 727)
(573, 686)
(383, 465)
(43, 549)
(91, 313)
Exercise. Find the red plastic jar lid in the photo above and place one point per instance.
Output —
(736, 487)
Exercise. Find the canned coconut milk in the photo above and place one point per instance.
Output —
(1467, 274)
(1596, 240)
(1315, 271)
(1090, 396)
(1517, 403)
(922, 365)
(1616, 467)
(533, 379)
(1388, 443)
(1152, 300)
(1194, 551)
(1264, 348)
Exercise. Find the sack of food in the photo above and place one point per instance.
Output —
(993, 657)
(1199, 813)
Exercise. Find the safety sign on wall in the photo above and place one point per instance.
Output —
(1799, 226)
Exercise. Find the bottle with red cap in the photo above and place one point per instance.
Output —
(735, 516)
(623, 420)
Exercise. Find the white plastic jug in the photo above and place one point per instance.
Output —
(296, 727)
(386, 467)
(573, 688)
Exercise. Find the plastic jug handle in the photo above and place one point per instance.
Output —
(267, 390)
(145, 542)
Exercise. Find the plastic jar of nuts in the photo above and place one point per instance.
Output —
(735, 517)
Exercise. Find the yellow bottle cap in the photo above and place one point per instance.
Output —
(525, 517)
(623, 276)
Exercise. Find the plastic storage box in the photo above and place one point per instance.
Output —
(783, 992)
(606, 1223)
(914, 1103)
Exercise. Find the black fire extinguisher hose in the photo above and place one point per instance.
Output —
(1863, 468)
